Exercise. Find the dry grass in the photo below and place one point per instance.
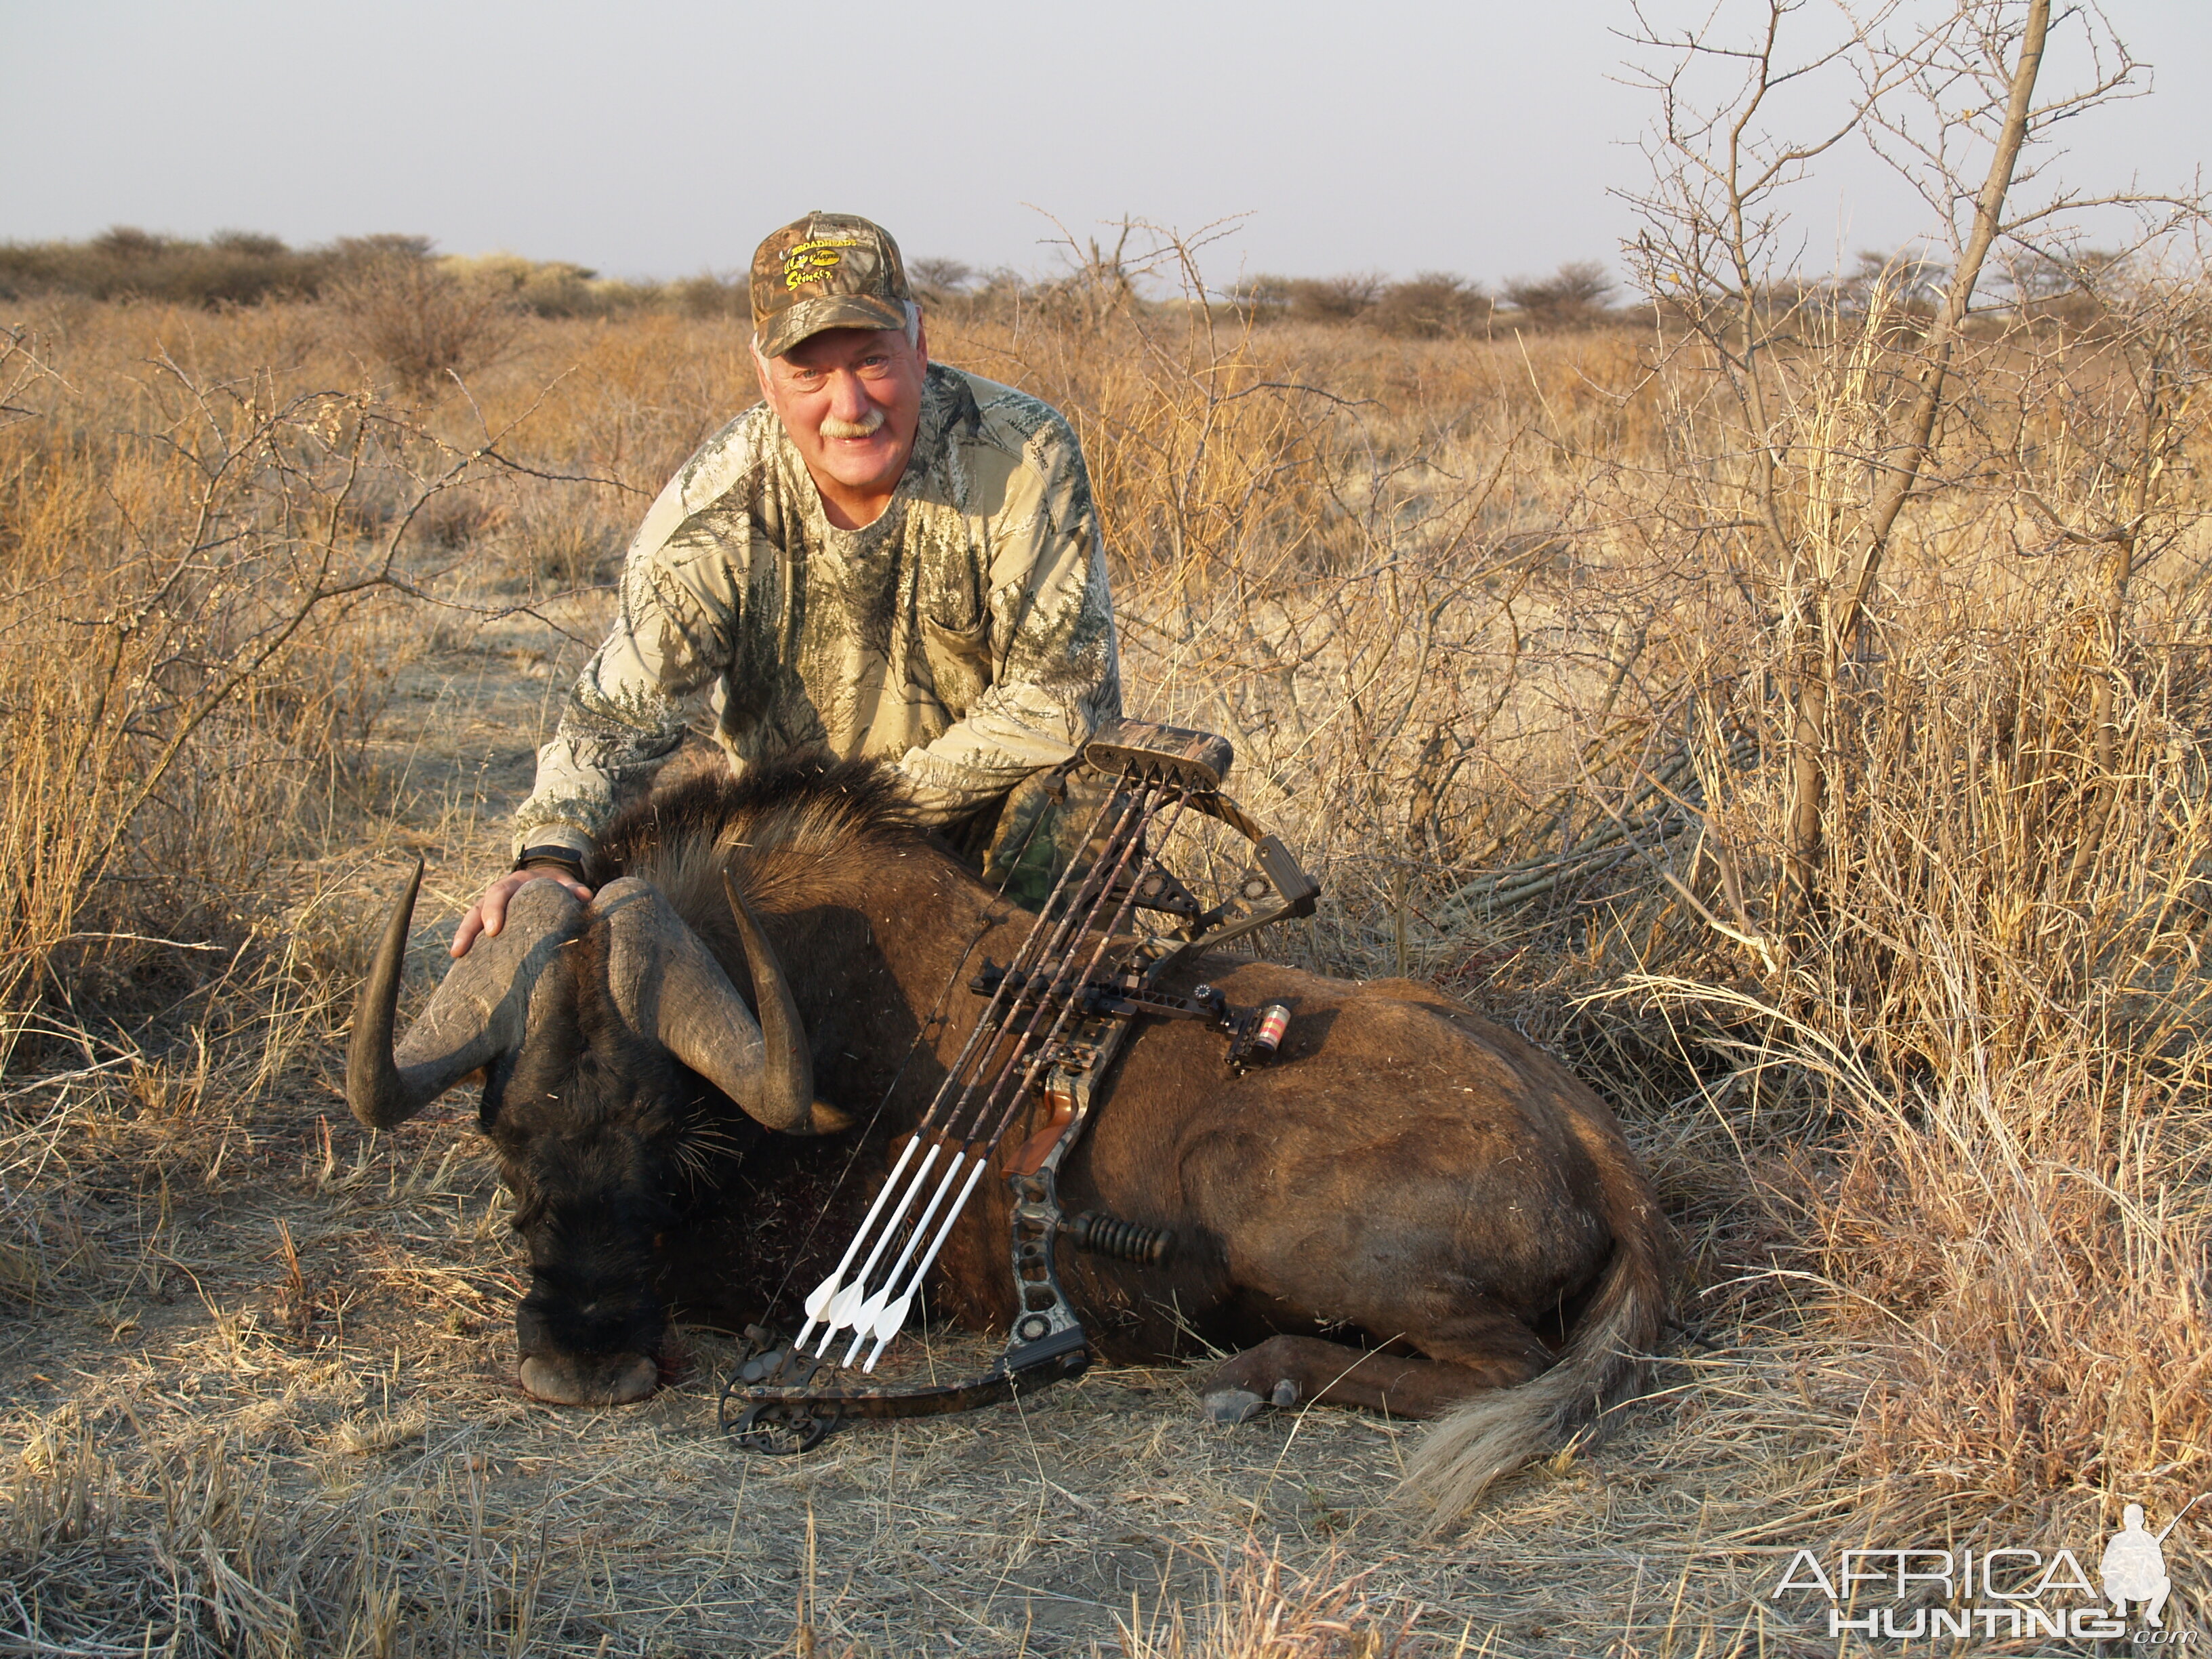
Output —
(1472, 614)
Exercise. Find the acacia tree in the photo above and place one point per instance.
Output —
(1955, 103)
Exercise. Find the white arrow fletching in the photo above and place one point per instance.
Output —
(845, 1308)
(889, 1322)
(862, 1322)
(871, 1311)
(848, 1302)
(840, 1305)
(892, 1319)
(817, 1301)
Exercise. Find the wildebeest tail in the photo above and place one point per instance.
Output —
(1497, 1431)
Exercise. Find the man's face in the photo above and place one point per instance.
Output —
(851, 400)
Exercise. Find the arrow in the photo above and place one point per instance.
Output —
(882, 1313)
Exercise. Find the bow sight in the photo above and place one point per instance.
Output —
(1057, 1016)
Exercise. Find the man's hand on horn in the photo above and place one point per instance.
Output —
(488, 913)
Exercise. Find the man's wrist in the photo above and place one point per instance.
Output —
(551, 855)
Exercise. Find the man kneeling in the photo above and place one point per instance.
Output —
(887, 557)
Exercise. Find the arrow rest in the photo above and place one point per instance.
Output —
(1055, 1021)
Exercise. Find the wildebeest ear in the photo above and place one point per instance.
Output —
(477, 1012)
(667, 984)
(827, 1120)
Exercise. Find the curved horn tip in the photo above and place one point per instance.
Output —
(786, 1098)
(374, 1088)
(365, 1114)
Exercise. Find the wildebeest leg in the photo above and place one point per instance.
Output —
(1492, 1351)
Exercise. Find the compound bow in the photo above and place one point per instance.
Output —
(1056, 1017)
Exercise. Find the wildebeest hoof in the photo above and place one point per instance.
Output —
(1286, 1392)
(1232, 1405)
(618, 1380)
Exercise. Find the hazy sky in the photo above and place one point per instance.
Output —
(660, 137)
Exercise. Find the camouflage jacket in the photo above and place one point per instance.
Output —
(967, 633)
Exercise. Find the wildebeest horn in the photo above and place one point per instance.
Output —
(781, 1029)
(667, 982)
(477, 1012)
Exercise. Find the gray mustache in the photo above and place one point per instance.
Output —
(834, 428)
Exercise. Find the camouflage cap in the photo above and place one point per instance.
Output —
(826, 271)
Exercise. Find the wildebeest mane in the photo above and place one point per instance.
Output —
(790, 837)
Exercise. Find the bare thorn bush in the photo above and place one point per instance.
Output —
(424, 322)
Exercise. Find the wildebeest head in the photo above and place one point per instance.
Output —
(592, 1025)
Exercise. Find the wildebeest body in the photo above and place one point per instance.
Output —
(1410, 1207)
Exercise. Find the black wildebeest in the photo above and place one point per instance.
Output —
(1411, 1208)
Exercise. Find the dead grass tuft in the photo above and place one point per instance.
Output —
(1263, 1610)
(357, 1438)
